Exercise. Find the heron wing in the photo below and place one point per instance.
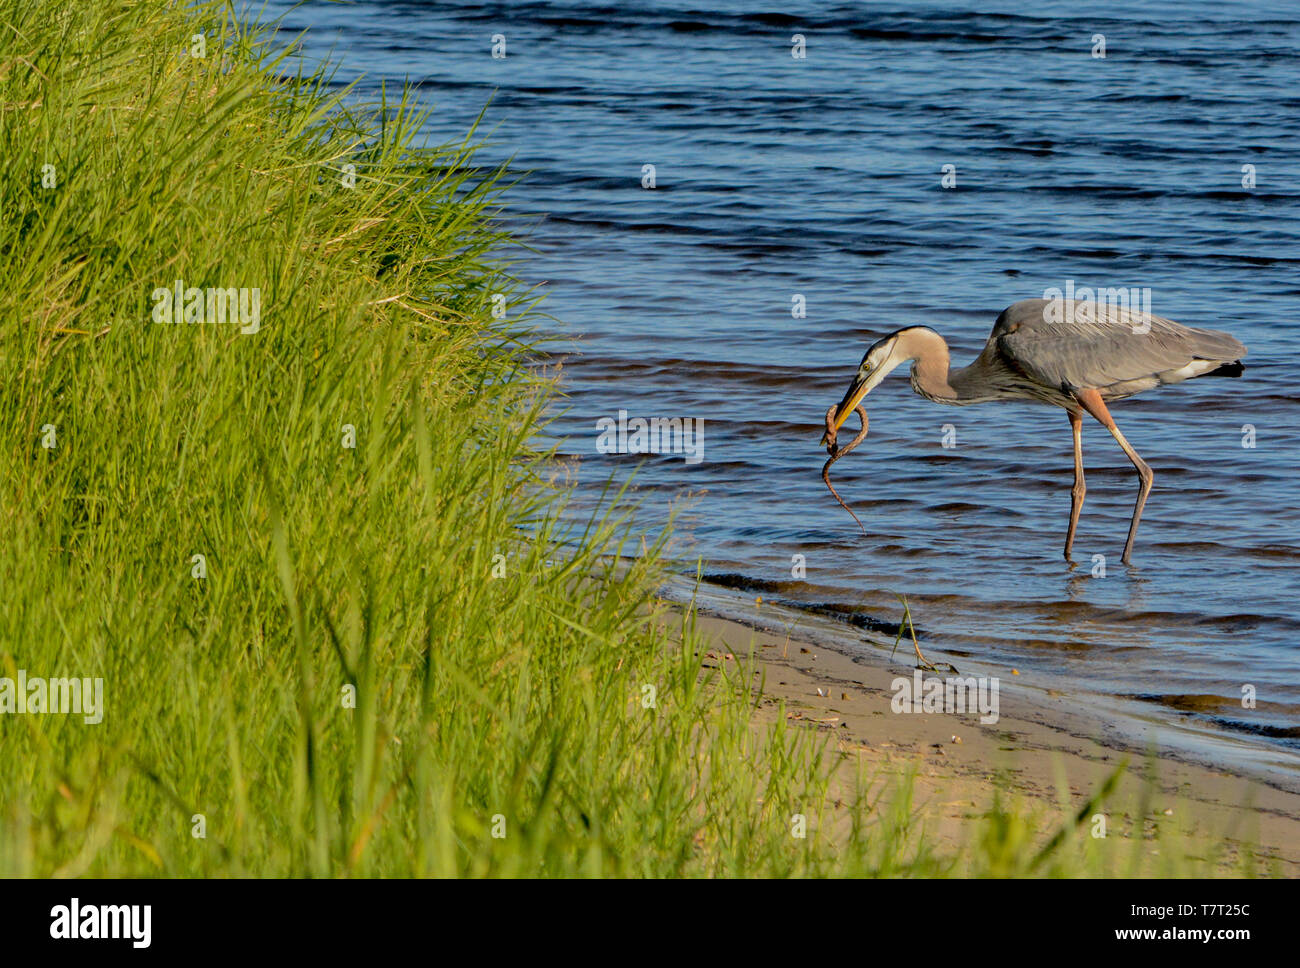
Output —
(1105, 346)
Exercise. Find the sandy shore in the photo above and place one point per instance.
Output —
(1033, 750)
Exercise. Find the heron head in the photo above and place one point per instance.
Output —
(877, 363)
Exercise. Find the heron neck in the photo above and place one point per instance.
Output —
(932, 376)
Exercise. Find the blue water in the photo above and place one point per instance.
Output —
(821, 176)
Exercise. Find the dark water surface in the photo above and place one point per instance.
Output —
(821, 177)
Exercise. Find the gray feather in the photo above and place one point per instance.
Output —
(1103, 347)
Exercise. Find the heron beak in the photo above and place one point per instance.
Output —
(852, 397)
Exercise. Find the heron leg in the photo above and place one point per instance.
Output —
(1092, 402)
(1079, 490)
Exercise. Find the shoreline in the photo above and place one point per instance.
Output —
(1127, 723)
(1040, 745)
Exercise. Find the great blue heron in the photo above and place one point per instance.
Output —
(1076, 355)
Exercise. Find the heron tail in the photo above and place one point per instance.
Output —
(1227, 369)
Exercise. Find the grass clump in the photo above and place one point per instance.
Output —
(315, 556)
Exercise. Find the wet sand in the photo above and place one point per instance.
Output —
(1033, 748)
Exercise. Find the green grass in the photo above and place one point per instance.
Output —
(502, 692)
